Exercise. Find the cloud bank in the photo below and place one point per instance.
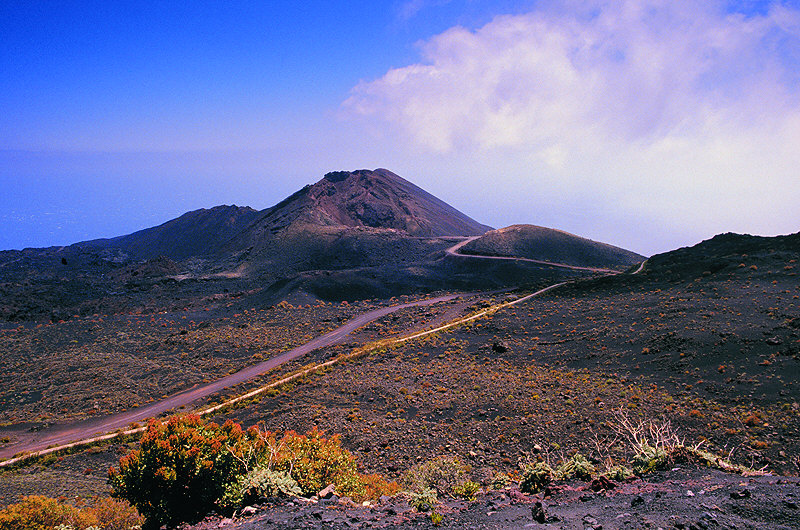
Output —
(686, 112)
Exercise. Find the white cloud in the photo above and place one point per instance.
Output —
(411, 8)
(666, 107)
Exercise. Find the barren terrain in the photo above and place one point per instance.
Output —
(715, 353)
(704, 341)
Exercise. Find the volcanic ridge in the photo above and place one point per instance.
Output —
(352, 235)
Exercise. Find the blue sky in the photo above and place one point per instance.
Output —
(647, 124)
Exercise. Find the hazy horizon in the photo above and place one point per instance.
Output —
(643, 124)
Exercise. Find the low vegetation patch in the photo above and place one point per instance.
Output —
(188, 467)
(444, 476)
(656, 446)
(652, 446)
(36, 512)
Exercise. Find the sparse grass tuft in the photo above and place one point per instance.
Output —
(656, 446)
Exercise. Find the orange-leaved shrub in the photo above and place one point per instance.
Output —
(181, 468)
(37, 512)
(316, 461)
(186, 467)
(115, 514)
(43, 513)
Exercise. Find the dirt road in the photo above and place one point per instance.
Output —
(453, 251)
(27, 440)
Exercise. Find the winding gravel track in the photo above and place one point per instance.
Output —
(453, 251)
(84, 429)
(93, 428)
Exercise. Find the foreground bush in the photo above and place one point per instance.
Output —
(181, 469)
(577, 466)
(42, 513)
(115, 514)
(315, 461)
(188, 467)
(536, 477)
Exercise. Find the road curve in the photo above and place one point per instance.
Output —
(62, 434)
(453, 251)
(93, 427)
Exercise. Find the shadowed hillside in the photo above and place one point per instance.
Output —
(197, 233)
(722, 253)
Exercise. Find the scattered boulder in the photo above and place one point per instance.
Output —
(602, 483)
(742, 494)
(327, 492)
(500, 347)
(538, 512)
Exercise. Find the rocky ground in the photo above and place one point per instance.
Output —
(102, 364)
(679, 499)
(713, 357)
(709, 346)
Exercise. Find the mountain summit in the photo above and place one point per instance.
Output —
(341, 200)
(352, 235)
(369, 198)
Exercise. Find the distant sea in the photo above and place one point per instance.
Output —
(60, 198)
(23, 228)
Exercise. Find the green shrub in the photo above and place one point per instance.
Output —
(466, 490)
(649, 458)
(181, 469)
(424, 500)
(618, 473)
(444, 474)
(259, 483)
(536, 477)
(501, 481)
(576, 467)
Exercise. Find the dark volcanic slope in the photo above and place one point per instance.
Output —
(723, 252)
(197, 233)
(547, 244)
(364, 198)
